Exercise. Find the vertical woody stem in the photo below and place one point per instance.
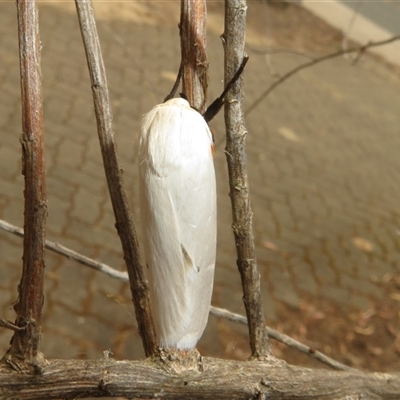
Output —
(24, 352)
(194, 55)
(234, 40)
(123, 217)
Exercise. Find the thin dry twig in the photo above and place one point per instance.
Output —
(124, 222)
(359, 49)
(278, 50)
(4, 323)
(281, 337)
(234, 40)
(24, 352)
(70, 254)
(218, 312)
(345, 40)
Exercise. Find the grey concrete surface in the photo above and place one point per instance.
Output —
(323, 159)
(384, 13)
(363, 22)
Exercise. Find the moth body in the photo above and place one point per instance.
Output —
(178, 213)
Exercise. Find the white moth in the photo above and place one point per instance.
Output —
(178, 212)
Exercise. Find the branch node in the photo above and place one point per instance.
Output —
(107, 354)
(179, 361)
(227, 153)
(10, 325)
(17, 363)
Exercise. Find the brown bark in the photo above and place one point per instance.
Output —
(123, 217)
(220, 379)
(234, 40)
(24, 352)
(194, 55)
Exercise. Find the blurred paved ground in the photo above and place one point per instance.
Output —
(323, 153)
(363, 22)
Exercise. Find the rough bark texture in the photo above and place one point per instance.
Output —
(24, 352)
(220, 379)
(194, 56)
(123, 217)
(234, 40)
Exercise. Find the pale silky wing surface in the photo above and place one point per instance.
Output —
(178, 211)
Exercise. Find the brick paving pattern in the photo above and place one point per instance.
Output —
(324, 165)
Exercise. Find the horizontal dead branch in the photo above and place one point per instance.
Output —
(219, 379)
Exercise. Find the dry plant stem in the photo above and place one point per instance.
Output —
(218, 312)
(234, 39)
(24, 352)
(194, 56)
(359, 49)
(123, 217)
(220, 379)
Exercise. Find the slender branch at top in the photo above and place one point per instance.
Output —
(24, 352)
(218, 312)
(234, 40)
(123, 217)
(359, 49)
(194, 52)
